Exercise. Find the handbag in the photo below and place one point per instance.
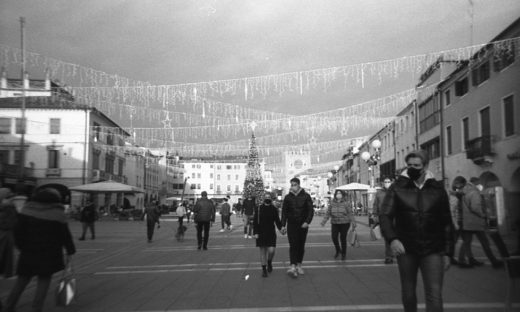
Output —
(375, 232)
(66, 288)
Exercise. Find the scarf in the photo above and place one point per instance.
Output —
(45, 211)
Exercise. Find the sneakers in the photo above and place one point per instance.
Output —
(249, 236)
(300, 271)
(264, 271)
(269, 266)
(389, 261)
(222, 231)
(230, 228)
(245, 235)
(475, 262)
(292, 272)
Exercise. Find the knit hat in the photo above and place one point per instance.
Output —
(46, 195)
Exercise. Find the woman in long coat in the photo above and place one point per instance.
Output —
(265, 218)
(41, 234)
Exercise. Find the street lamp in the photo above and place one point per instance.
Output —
(372, 159)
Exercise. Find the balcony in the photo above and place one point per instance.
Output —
(101, 175)
(480, 149)
(53, 172)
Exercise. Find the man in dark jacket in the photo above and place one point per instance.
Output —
(225, 216)
(204, 211)
(378, 203)
(153, 215)
(88, 217)
(248, 208)
(297, 213)
(416, 221)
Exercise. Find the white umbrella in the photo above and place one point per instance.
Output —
(106, 187)
(354, 187)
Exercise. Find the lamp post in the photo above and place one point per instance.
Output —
(371, 160)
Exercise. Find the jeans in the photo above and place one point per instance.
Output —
(248, 228)
(432, 271)
(42, 288)
(180, 219)
(340, 231)
(203, 226)
(225, 220)
(297, 237)
(465, 249)
(88, 225)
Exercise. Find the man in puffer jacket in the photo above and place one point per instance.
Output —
(416, 222)
(297, 214)
(204, 211)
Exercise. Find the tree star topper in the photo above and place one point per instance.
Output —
(253, 125)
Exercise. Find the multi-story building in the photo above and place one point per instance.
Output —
(134, 171)
(481, 118)
(218, 177)
(405, 133)
(66, 144)
(293, 163)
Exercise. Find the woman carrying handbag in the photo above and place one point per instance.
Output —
(340, 215)
(41, 234)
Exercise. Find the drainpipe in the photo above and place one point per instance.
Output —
(442, 139)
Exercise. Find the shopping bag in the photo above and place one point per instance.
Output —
(353, 238)
(66, 288)
(377, 232)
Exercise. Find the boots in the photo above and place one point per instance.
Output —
(264, 271)
(270, 266)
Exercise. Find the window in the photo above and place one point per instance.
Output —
(465, 132)
(110, 138)
(236, 177)
(229, 167)
(4, 157)
(461, 87)
(485, 122)
(504, 55)
(109, 164)
(97, 129)
(218, 189)
(193, 186)
(193, 175)
(198, 166)
(55, 126)
(229, 177)
(17, 157)
(237, 189)
(509, 116)
(198, 175)
(198, 186)
(210, 166)
(193, 166)
(429, 116)
(218, 177)
(229, 188)
(95, 160)
(19, 126)
(219, 167)
(211, 175)
(432, 148)
(480, 74)
(447, 97)
(53, 158)
(120, 166)
(5, 125)
(448, 141)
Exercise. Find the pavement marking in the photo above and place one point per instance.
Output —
(200, 268)
(238, 263)
(353, 307)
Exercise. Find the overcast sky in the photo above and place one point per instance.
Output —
(167, 42)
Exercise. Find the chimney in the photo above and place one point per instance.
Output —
(3, 82)
(47, 80)
(26, 85)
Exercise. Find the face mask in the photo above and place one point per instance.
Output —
(480, 187)
(387, 184)
(268, 201)
(414, 173)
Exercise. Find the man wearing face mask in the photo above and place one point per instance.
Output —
(378, 202)
(416, 221)
(297, 214)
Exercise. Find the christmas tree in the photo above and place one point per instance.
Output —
(254, 183)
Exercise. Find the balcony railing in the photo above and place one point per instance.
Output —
(101, 175)
(478, 148)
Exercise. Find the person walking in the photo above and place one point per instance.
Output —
(456, 220)
(376, 209)
(225, 216)
(8, 217)
(204, 216)
(180, 212)
(238, 207)
(153, 215)
(473, 223)
(248, 208)
(41, 234)
(340, 214)
(88, 217)
(416, 222)
(265, 218)
(297, 214)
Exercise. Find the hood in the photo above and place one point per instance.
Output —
(45, 211)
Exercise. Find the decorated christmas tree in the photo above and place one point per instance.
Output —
(253, 184)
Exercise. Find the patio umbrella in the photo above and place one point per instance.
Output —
(354, 187)
(106, 187)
